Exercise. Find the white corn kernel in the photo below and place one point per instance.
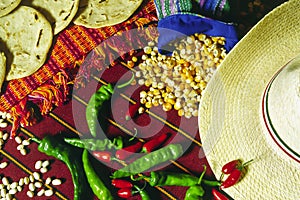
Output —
(3, 125)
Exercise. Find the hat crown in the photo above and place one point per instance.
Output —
(281, 108)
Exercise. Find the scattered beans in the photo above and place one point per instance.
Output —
(5, 181)
(46, 163)
(31, 178)
(31, 187)
(38, 184)
(5, 136)
(23, 152)
(3, 165)
(18, 140)
(26, 180)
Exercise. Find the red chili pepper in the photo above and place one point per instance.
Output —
(132, 111)
(121, 183)
(154, 143)
(104, 156)
(218, 195)
(126, 152)
(230, 166)
(232, 179)
(125, 193)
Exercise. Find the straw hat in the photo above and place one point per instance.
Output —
(251, 108)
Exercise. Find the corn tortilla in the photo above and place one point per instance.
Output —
(6, 6)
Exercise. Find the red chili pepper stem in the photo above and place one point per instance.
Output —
(245, 164)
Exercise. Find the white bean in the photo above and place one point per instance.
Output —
(26, 180)
(38, 164)
(1, 141)
(3, 165)
(18, 140)
(5, 136)
(12, 191)
(41, 192)
(13, 185)
(23, 152)
(43, 170)
(8, 115)
(5, 181)
(8, 196)
(3, 192)
(3, 125)
(31, 187)
(48, 193)
(36, 175)
(21, 181)
(25, 142)
(19, 188)
(31, 178)
(56, 182)
(1, 134)
(1, 186)
(8, 187)
(30, 194)
(48, 181)
(20, 146)
(45, 163)
(38, 184)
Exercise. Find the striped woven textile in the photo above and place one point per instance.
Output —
(50, 85)
(209, 8)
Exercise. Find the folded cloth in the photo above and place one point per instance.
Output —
(177, 19)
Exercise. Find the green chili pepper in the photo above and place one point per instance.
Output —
(97, 185)
(162, 178)
(143, 193)
(196, 191)
(169, 152)
(96, 101)
(96, 144)
(56, 147)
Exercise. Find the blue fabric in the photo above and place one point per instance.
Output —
(179, 25)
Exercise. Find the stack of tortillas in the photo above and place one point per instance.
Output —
(27, 28)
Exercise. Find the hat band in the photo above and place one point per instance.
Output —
(281, 109)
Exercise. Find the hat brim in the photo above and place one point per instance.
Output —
(230, 123)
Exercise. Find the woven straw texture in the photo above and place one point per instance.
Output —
(230, 111)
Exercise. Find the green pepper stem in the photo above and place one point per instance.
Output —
(126, 83)
(202, 174)
(138, 178)
(35, 140)
(134, 136)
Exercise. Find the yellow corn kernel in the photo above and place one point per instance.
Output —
(167, 106)
(141, 110)
(180, 112)
(177, 105)
(134, 59)
(148, 104)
